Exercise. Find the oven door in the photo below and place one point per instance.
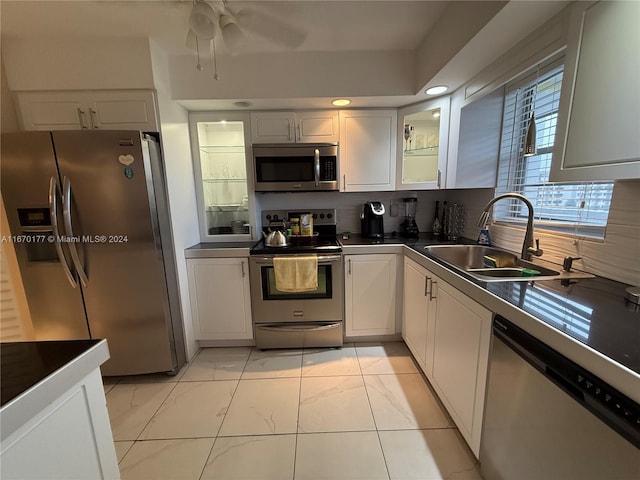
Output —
(271, 305)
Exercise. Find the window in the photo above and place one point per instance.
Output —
(578, 208)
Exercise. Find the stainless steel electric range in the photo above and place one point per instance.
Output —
(313, 318)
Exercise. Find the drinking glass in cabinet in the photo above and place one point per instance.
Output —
(224, 177)
(420, 155)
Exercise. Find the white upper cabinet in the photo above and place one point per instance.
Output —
(368, 150)
(474, 136)
(87, 110)
(599, 120)
(295, 127)
(423, 139)
(273, 127)
(223, 175)
(318, 126)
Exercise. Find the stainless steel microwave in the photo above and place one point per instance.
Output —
(295, 167)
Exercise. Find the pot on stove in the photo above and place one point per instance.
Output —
(275, 239)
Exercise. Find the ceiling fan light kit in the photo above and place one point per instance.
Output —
(208, 17)
(203, 21)
(231, 34)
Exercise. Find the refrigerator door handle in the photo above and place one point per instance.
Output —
(54, 192)
(66, 209)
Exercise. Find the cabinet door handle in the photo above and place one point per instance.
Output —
(431, 295)
(81, 118)
(439, 177)
(349, 266)
(94, 118)
(300, 130)
(426, 286)
(242, 268)
(344, 181)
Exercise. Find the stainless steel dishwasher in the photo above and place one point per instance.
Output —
(548, 418)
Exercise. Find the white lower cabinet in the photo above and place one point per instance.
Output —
(220, 298)
(417, 313)
(69, 437)
(370, 294)
(449, 334)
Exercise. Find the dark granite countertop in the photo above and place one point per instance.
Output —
(356, 239)
(219, 245)
(593, 311)
(25, 364)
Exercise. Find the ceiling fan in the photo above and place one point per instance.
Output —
(207, 18)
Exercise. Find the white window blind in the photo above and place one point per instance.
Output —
(580, 208)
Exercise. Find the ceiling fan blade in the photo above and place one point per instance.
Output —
(272, 28)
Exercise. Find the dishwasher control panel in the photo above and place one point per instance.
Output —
(595, 390)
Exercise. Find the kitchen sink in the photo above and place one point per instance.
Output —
(490, 264)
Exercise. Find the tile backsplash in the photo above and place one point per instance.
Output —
(349, 206)
(616, 257)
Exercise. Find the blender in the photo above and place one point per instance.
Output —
(409, 228)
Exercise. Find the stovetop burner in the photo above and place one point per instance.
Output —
(323, 245)
(324, 224)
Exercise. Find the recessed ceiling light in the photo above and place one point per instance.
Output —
(341, 102)
(437, 90)
(436, 114)
(242, 104)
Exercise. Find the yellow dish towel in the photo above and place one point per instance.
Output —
(296, 274)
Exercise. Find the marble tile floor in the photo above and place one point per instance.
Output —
(362, 412)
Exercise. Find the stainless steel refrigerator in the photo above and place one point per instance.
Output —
(90, 224)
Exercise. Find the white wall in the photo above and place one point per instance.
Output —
(174, 130)
(295, 75)
(9, 118)
(41, 63)
(459, 23)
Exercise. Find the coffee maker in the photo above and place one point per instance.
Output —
(409, 228)
(371, 220)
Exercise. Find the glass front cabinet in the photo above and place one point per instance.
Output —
(423, 139)
(222, 167)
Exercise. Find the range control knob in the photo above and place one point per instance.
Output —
(268, 217)
(322, 215)
(329, 215)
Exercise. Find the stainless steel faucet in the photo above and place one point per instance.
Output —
(527, 245)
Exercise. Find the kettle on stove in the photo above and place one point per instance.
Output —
(372, 225)
(275, 238)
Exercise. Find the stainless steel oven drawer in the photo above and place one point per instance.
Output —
(298, 335)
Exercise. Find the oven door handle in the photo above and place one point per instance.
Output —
(321, 259)
(299, 328)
